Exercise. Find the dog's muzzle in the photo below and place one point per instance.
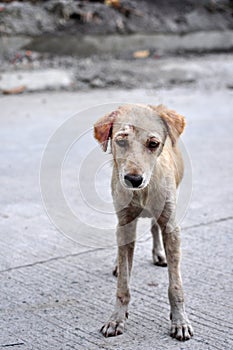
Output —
(132, 180)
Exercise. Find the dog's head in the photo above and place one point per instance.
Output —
(137, 134)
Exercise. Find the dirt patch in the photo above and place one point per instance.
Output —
(88, 17)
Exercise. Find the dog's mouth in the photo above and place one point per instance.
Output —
(133, 181)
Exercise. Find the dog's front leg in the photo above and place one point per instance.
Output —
(181, 328)
(126, 243)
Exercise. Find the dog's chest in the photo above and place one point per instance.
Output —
(139, 199)
(152, 203)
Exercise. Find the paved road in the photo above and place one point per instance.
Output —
(55, 293)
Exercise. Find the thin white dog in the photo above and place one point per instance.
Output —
(147, 168)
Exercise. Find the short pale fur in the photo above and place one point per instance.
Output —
(161, 170)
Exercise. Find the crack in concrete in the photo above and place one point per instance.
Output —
(40, 262)
(208, 223)
(11, 345)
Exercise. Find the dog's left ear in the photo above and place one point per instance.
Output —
(174, 122)
(103, 129)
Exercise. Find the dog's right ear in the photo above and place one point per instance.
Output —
(174, 122)
(103, 129)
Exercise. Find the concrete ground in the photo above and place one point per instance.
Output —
(55, 293)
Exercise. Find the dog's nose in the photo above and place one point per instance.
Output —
(132, 180)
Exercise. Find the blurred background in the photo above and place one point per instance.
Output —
(76, 45)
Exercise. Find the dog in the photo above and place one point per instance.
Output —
(147, 169)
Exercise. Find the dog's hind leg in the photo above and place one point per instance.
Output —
(158, 252)
(115, 268)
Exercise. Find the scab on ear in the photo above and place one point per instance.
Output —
(103, 129)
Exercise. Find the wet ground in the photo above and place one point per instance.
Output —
(170, 45)
(41, 73)
(55, 294)
(78, 45)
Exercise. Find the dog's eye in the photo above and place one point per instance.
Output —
(122, 142)
(153, 144)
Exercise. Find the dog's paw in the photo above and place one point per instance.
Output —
(159, 258)
(113, 328)
(181, 331)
